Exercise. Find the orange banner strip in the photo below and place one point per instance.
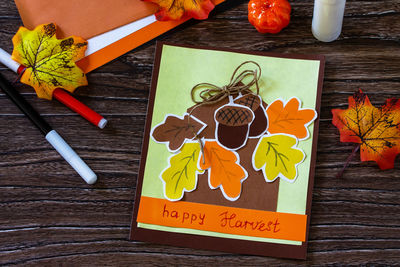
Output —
(220, 219)
(128, 43)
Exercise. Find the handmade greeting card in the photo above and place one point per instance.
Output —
(229, 151)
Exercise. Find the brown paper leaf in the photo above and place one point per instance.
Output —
(175, 130)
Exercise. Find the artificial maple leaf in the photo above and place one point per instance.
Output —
(181, 175)
(278, 156)
(375, 129)
(224, 170)
(181, 9)
(175, 130)
(289, 118)
(49, 62)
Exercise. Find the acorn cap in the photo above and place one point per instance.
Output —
(251, 101)
(234, 116)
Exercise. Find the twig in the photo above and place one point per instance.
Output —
(349, 158)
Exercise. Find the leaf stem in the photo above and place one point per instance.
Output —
(349, 158)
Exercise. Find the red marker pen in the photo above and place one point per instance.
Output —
(59, 94)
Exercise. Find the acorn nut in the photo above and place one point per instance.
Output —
(233, 123)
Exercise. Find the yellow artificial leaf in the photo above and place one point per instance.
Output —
(278, 156)
(181, 175)
(49, 62)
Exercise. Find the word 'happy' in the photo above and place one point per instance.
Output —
(184, 217)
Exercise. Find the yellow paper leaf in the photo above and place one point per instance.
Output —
(49, 62)
(181, 175)
(278, 156)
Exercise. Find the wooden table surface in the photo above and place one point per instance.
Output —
(48, 215)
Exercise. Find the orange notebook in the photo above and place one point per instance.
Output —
(92, 18)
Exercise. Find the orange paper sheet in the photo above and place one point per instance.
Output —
(92, 17)
(85, 18)
(221, 219)
(128, 43)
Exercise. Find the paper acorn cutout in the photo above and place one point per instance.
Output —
(260, 123)
(232, 125)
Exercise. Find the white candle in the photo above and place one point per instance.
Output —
(327, 19)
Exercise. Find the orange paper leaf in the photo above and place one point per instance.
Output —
(289, 118)
(49, 62)
(375, 129)
(224, 170)
(180, 9)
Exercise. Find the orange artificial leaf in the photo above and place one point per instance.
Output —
(181, 9)
(290, 118)
(224, 170)
(375, 129)
(49, 62)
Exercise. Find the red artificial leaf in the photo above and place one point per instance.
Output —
(375, 129)
(181, 9)
(175, 130)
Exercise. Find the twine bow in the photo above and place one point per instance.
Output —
(213, 93)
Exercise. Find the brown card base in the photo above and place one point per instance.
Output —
(214, 243)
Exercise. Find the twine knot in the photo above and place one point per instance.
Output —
(212, 93)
